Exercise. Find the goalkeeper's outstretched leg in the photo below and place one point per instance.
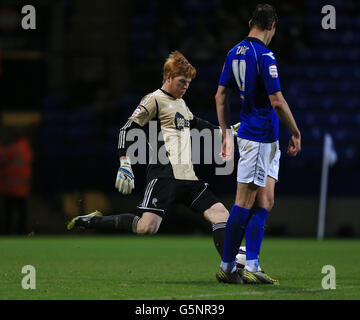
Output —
(82, 221)
(149, 223)
(159, 195)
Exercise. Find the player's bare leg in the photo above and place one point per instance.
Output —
(246, 194)
(265, 195)
(217, 213)
(149, 223)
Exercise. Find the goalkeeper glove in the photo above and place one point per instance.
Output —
(234, 128)
(125, 177)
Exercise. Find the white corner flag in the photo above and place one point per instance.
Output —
(329, 159)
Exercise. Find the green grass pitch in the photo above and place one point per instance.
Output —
(170, 267)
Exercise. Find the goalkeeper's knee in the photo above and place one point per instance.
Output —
(147, 229)
(217, 213)
(148, 226)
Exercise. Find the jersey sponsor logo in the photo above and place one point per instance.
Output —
(181, 122)
(273, 71)
(136, 112)
(270, 54)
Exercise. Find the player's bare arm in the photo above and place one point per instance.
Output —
(283, 111)
(222, 109)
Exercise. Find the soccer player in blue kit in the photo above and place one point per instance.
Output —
(251, 69)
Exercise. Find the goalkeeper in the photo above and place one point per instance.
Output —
(175, 181)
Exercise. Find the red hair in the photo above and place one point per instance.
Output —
(177, 65)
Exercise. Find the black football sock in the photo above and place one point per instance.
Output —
(125, 222)
(219, 236)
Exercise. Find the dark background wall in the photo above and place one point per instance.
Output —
(71, 84)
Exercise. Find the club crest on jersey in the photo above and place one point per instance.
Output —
(154, 202)
(181, 122)
(273, 71)
(136, 112)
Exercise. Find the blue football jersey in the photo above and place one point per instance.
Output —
(251, 68)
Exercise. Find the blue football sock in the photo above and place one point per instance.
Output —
(255, 232)
(234, 232)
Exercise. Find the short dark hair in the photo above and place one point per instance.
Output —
(263, 16)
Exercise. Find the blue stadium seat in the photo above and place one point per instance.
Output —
(143, 21)
(112, 133)
(80, 117)
(80, 133)
(141, 36)
(53, 117)
(53, 132)
(315, 5)
(83, 150)
(199, 5)
(54, 150)
(52, 102)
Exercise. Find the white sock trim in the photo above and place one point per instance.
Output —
(252, 265)
(228, 267)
